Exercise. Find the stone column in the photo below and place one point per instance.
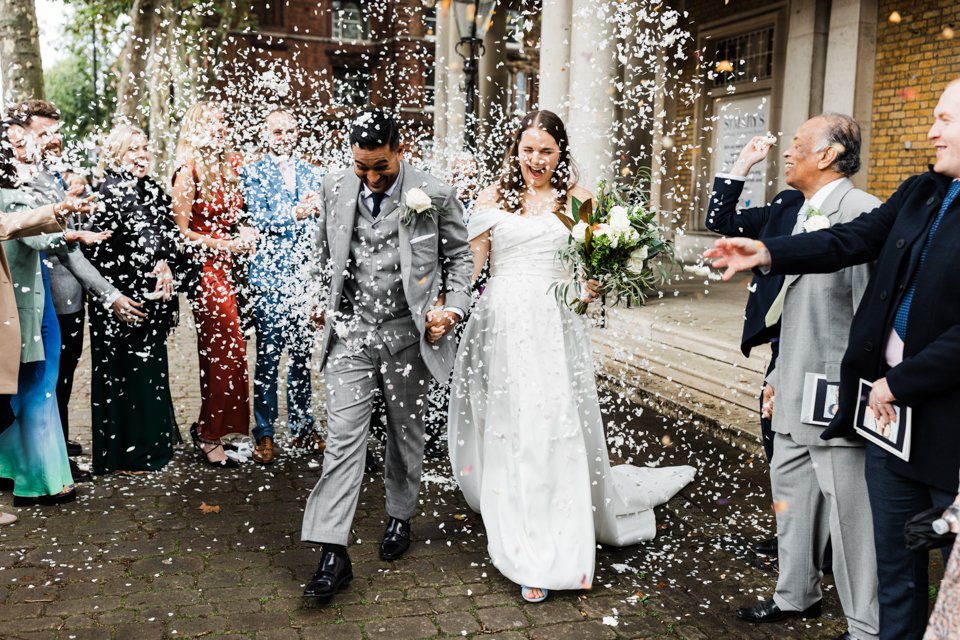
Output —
(555, 36)
(592, 91)
(800, 89)
(494, 88)
(851, 55)
(450, 107)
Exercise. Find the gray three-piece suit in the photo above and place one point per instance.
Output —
(380, 276)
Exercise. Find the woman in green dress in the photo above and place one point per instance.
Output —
(134, 428)
(32, 451)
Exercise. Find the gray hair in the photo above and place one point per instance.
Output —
(843, 134)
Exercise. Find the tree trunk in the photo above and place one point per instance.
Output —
(20, 65)
(132, 91)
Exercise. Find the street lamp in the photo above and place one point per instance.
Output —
(473, 18)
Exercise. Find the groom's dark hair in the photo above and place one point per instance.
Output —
(374, 128)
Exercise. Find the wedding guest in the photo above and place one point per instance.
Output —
(207, 204)
(903, 340)
(279, 193)
(526, 434)
(820, 483)
(71, 274)
(134, 428)
(32, 450)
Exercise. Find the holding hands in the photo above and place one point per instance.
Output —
(440, 322)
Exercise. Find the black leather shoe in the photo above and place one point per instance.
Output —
(845, 636)
(396, 540)
(79, 475)
(767, 547)
(768, 611)
(334, 573)
(74, 448)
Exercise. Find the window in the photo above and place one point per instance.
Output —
(351, 87)
(430, 88)
(349, 23)
(269, 13)
(520, 92)
(744, 58)
(430, 21)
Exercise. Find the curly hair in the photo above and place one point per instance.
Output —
(511, 185)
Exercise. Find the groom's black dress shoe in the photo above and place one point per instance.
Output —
(334, 573)
(768, 611)
(767, 547)
(396, 539)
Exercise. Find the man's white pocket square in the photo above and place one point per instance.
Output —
(422, 238)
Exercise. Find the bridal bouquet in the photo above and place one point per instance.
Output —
(615, 242)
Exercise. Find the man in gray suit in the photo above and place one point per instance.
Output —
(818, 486)
(395, 268)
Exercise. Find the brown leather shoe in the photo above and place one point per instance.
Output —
(310, 442)
(263, 452)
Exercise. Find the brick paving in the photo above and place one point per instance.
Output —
(135, 557)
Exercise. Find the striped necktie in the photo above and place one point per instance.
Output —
(903, 311)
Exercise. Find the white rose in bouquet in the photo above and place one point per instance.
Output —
(417, 200)
(579, 232)
(631, 235)
(637, 258)
(619, 219)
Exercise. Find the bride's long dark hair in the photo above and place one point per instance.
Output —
(511, 185)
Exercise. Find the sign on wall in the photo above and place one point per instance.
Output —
(738, 120)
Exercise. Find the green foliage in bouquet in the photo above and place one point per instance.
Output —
(616, 242)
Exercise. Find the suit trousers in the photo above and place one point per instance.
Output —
(904, 583)
(820, 492)
(71, 330)
(353, 376)
(278, 329)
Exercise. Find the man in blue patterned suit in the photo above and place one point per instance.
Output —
(278, 192)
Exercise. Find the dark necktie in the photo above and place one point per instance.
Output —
(903, 311)
(377, 201)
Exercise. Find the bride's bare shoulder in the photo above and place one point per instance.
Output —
(489, 197)
(580, 193)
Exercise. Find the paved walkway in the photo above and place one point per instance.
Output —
(138, 558)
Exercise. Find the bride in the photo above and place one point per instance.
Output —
(525, 432)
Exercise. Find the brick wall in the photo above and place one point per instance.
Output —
(914, 62)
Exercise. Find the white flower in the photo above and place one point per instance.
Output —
(816, 223)
(631, 235)
(619, 219)
(637, 258)
(417, 200)
(342, 330)
(579, 231)
(601, 230)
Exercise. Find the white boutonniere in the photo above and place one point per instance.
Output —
(417, 203)
(815, 221)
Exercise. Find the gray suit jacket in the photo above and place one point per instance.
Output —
(435, 257)
(70, 273)
(815, 326)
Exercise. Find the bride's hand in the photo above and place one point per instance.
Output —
(591, 289)
(439, 323)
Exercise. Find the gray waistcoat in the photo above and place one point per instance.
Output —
(373, 297)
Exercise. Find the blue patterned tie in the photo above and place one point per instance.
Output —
(903, 311)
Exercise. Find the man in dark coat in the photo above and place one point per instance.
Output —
(905, 340)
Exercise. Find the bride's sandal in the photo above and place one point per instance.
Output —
(526, 591)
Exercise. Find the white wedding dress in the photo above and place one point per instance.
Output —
(526, 435)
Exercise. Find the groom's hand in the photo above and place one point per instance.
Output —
(738, 254)
(439, 323)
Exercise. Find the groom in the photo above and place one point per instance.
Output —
(397, 279)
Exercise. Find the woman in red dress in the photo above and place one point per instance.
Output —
(206, 207)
